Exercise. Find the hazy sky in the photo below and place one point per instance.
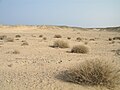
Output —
(83, 13)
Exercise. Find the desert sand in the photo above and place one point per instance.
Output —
(36, 66)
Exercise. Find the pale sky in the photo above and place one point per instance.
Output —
(82, 13)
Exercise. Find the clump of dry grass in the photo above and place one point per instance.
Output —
(116, 38)
(13, 52)
(24, 43)
(68, 37)
(9, 39)
(80, 49)
(60, 44)
(79, 39)
(2, 37)
(16, 52)
(57, 36)
(118, 52)
(86, 43)
(110, 39)
(17, 36)
(104, 73)
(44, 38)
(112, 42)
(40, 36)
(92, 39)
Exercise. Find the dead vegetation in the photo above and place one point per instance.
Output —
(17, 36)
(80, 49)
(57, 36)
(60, 44)
(40, 36)
(79, 39)
(44, 38)
(68, 37)
(116, 38)
(3, 37)
(9, 39)
(25, 43)
(104, 73)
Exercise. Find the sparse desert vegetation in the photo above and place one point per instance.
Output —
(104, 73)
(16, 52)
(17, 36)
(110, 39)
(57, 36)
(3, 37)
(32, 59)
(9, 39)
(60, 44)
(68, 37)
(79, 39)
(24, 43)
(44, 38)
(80, 49)
(116, 38)
(92, 39)
(40, 36)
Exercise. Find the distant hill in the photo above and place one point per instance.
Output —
(114, 29)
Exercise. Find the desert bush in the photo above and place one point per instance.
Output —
(118, 52)
(24, 43)
(57, 36)
(86, 43)
(104, 73)
(44, 38)
(112, 42)
(92, 39)
(80, 49)
(78, 39)
(110, 39)
(13, 52)
(16, 52)
(68, 37)
(60, 44)
(3, 37)
(116, 38)
(17, 36)
(40, 35)
(9, 39)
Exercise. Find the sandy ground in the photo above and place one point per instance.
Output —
(37, 65)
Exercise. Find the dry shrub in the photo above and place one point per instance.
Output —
(40, 36)
(9, 39)
(78, 39)
(118, 52)
(112, 42)
(44, 38)
(104, 73)
(86, 43)
(3, 37)
(24, 43)
(116, 38)
(68, 37)
(80, 49)
(58, 36)
(13, 52)
(60, 44)
(16, 52)
(17, 36)
(110, 39)
(92, 39)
